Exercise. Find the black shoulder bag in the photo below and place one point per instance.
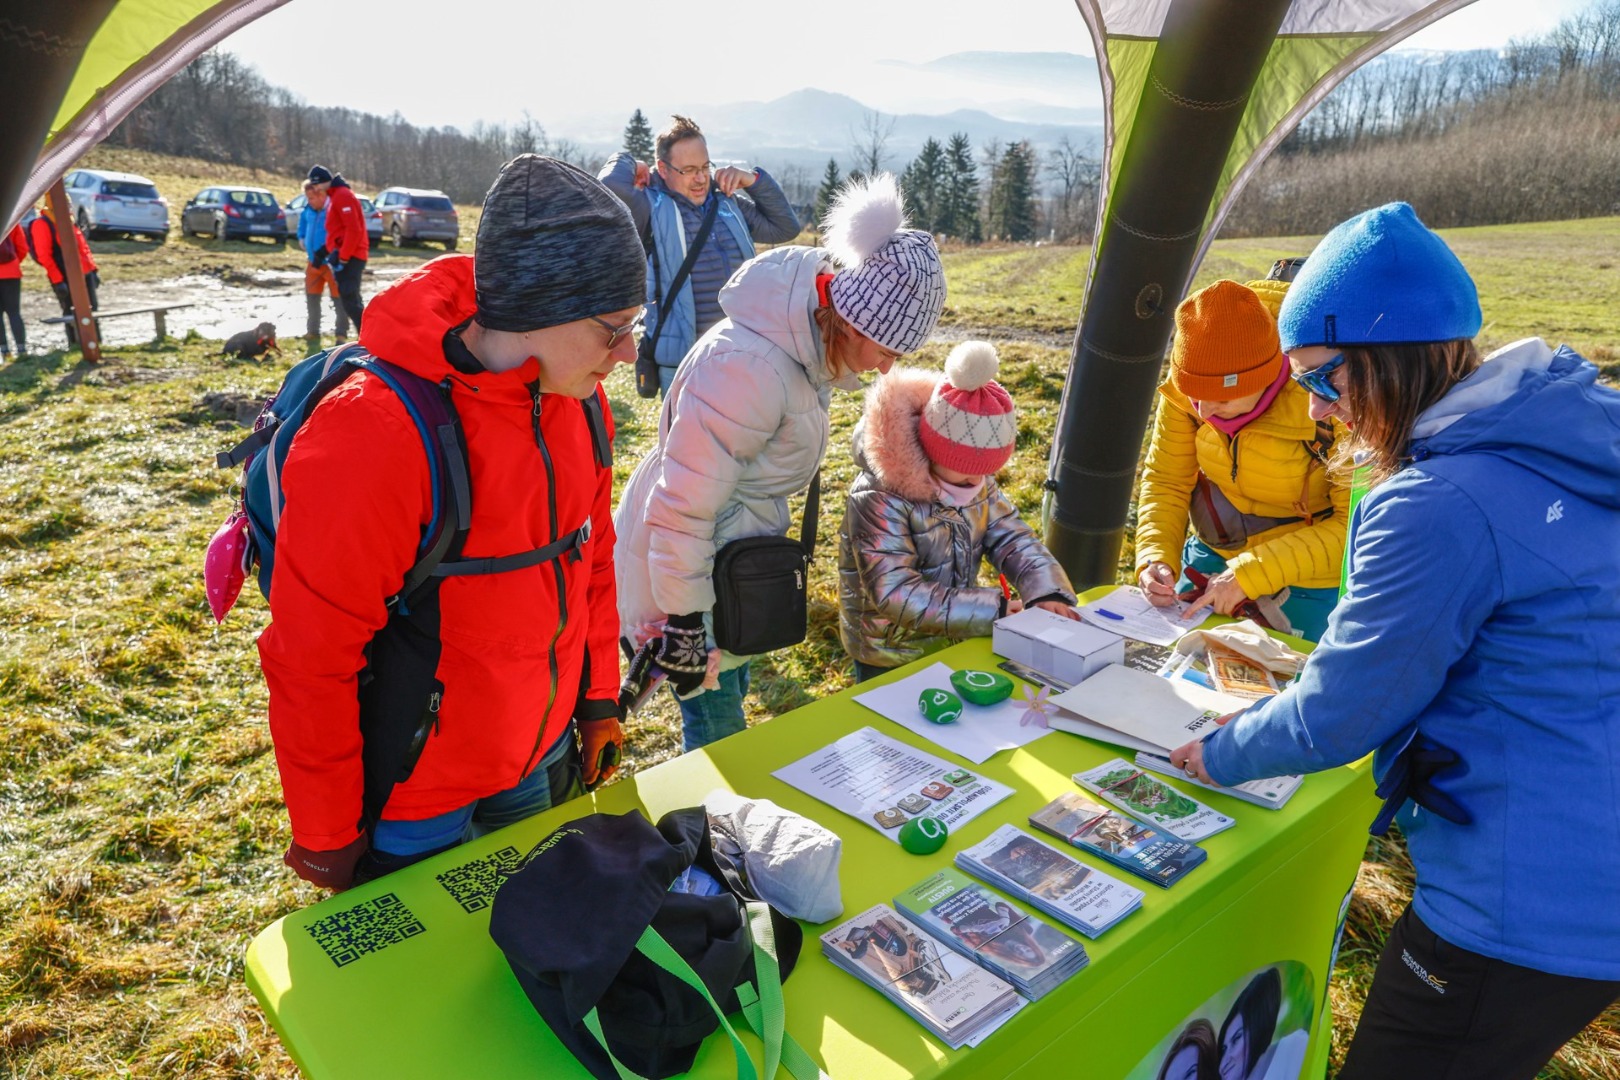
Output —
(646, 361)
(761, 587)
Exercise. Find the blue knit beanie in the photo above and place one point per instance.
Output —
(1381, 278)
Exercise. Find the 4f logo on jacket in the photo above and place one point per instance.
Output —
(1555, 512)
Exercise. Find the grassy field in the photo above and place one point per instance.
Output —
(139, 805)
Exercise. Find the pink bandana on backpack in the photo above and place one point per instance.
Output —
(225, 568)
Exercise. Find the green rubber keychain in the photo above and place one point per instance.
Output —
(940, 706)
(982, 687)
(924, 835)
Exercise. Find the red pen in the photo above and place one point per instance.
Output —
(1006, 592)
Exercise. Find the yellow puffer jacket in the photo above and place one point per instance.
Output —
(1265, 469)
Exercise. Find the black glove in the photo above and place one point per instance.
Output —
(1411, 776)
(318, 256)
(63, 293)
(683, 652)
(334, 262)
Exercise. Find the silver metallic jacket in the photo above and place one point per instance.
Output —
(908, 565)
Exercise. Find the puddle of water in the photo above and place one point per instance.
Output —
(218, 308)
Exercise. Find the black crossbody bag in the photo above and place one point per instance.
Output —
(761, 587)
(646, 358)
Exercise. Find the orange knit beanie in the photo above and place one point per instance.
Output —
(1226, 344)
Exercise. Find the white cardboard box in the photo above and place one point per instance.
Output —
(1063, 648)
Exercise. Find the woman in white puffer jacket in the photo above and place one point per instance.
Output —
(745, 426)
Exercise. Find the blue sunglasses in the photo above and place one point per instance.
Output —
(1319, 381)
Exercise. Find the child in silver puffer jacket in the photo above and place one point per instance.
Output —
(925, 510)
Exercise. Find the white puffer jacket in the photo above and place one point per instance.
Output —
(744, 427)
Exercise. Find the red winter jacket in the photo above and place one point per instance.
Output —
(11, 269)
(346, 224)
(42, 232)
(357, 498)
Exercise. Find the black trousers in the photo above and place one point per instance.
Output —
(64, 298)
(1440, 1012)
(348, 283)
(11, 309)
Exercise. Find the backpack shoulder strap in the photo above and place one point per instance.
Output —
(1321, 444)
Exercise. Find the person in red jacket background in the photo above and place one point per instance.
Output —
(522, 333)
(13, 246)
(347, 243)
(45, 243)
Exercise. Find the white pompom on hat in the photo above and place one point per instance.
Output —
(891, 284)
(969, 423)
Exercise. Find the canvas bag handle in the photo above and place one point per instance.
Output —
(764, 1011)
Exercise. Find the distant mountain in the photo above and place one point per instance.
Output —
(1043, 76)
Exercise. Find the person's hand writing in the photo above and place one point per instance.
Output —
(731, 178)
(1158, 584)
(1223, 594)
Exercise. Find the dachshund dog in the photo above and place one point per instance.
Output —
(252, 344)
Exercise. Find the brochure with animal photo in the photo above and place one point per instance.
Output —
(993, 932)
(948, 994)
(1051, 880)
(885, 783)
(1135, 791)
(1122, 840)
(1272, 793)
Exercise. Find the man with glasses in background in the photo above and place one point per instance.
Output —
(670, 200)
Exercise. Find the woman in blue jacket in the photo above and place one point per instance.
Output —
(1477, 652)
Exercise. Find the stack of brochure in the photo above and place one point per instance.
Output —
(993, 932)
(1123, 841)
(1060, 885)
(1271, 793)
(1130, 788)
(949, 995)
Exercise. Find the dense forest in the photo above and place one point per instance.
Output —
(1531, 132)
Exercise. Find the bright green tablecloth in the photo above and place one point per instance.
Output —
(439, 1001)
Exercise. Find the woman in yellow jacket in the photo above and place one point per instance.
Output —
(1236, 454)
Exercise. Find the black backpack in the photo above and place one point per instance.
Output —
(632, 985)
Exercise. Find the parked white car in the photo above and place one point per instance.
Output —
(116, 202)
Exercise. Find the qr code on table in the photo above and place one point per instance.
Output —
(473, 884)
(365, 928)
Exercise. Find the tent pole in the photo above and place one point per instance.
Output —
(1208, 57)
(89, 334)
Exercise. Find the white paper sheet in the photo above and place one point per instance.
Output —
(878, 780)
(1162, 712)
(982, 730)
(1126, 612)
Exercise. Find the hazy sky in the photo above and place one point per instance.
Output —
(567, 63)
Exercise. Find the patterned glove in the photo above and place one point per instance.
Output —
(328, 869)
(683, 652)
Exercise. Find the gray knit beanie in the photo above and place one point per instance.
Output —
(554, 246)
(891, 286)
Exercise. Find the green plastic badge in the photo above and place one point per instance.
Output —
(940, 706)
(924, 835)
(982, 687)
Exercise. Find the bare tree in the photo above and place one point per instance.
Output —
(871, 143)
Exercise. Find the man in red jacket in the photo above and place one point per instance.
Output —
(522, 333)
(347, 243)
(12, 249)
(45, 241)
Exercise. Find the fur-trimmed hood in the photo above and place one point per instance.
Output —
(887, 443)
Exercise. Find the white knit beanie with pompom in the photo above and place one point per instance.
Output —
(969, 423)
(890, 285)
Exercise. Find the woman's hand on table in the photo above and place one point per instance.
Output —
(1058, 607)
(1189, 758)
(1223, 594)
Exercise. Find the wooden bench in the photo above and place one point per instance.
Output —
(159, 313)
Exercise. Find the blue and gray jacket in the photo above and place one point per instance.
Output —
(668, 222)
(312, 230)
(1483, 621)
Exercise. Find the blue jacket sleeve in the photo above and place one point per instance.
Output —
(766, 209)
(1424, 576)
(618, 174)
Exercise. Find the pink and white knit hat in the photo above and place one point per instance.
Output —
(969, 423)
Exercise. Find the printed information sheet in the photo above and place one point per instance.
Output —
(1128, 613)
(885, 783)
